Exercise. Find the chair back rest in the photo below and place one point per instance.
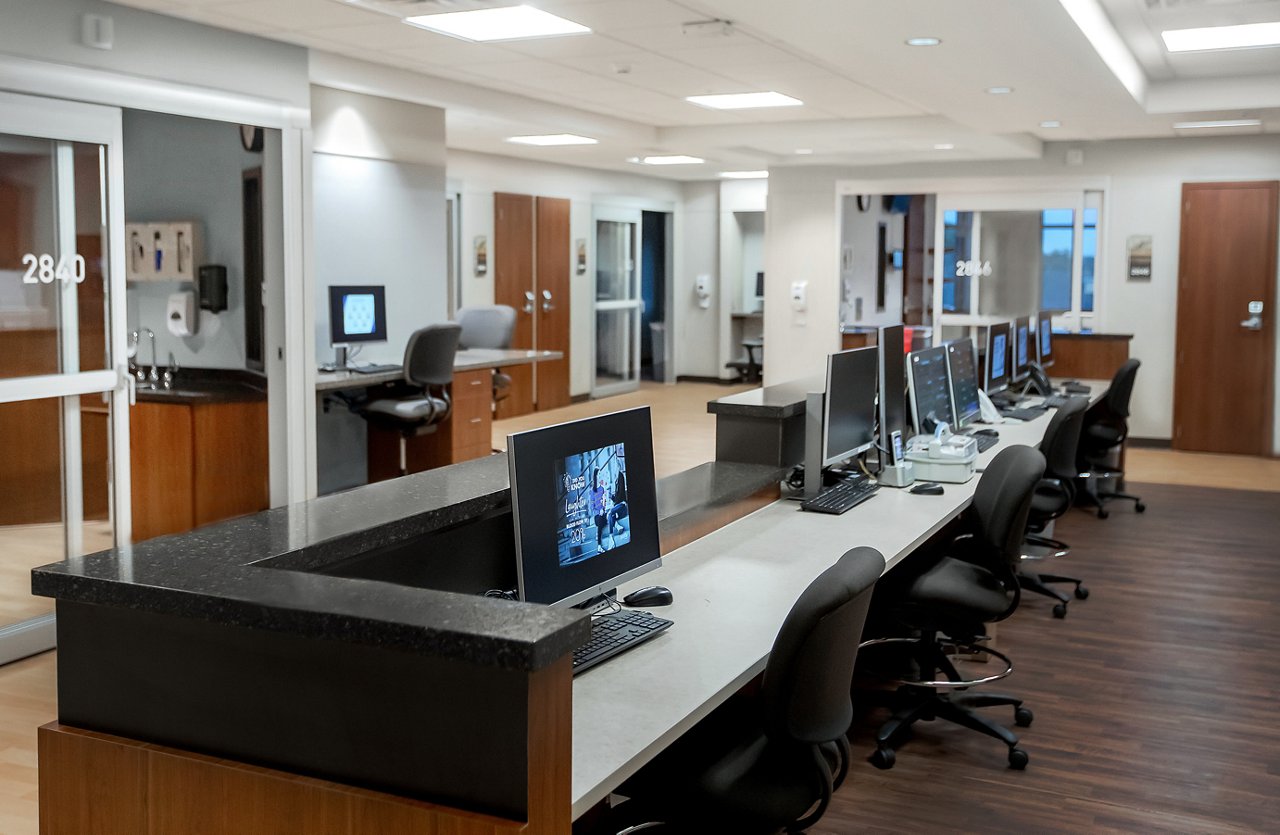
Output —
(810, 670)
(1002, 502)
(486, 326)
(1117, 398)
(429, 355)
(1062, 438)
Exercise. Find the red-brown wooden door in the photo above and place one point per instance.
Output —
(513, 285)
(552, 275)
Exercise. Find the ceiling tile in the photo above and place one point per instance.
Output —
(609, 16)
(301, 14)
(738, 51)
(572, 47)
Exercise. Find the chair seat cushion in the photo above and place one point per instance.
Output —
(1047, 503)
(408, 409)
(958, 589)
(1101, 436)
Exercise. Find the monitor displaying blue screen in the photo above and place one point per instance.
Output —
(997, 361)
(1000, 350)
(1022, 346)
(357, 314)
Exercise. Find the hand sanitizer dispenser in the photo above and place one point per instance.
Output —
(183, 316)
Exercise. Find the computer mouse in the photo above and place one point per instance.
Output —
(927, 488)
(649, 596)
(993, 433)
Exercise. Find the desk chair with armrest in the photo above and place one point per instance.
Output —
(947, 598)
(769, 761)
(420, 403)
(1106, 427)
(1053, 497)
(488, 326)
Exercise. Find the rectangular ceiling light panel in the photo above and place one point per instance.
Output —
(743, 101)
(550, 139)
(1245, 36)
(508, 23)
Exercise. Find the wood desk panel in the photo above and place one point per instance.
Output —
(1094, 356)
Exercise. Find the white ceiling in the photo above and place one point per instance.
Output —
(869, 98)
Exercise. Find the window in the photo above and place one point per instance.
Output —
(1057, 236)
(958, 231)
(1089, 248)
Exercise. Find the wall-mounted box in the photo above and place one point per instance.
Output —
(163, 251)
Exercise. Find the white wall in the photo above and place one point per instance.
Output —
(1143, 198)
(742, 218)
(478, 176)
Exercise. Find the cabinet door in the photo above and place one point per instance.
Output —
(553, 301)
(230, 464)
(513, 285)
(161, 458)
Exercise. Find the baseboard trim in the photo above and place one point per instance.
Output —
(692, 378)
(579, 398)
(1150, 443)
(29, 637)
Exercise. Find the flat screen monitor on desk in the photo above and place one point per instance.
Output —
(1022, 356)
(930, 391)
(584, 505)
(1044, 338)
(893, 383)
(962, 371)
(849, 415)
(996, 378)
(357, 314)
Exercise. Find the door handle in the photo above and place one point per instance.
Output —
(528, 301)
(547, 306)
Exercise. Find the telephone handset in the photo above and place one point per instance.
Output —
(1040, 380)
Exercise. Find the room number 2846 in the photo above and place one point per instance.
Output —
(43, 269)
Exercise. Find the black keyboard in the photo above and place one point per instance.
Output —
(374, 369)
(1023, 414)
(985, 442)
(840, 497)
(1074, 387)
(1056, 401)
(616, 633)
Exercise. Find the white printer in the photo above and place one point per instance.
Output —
(943, 457)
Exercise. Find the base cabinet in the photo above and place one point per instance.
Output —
(467, 434)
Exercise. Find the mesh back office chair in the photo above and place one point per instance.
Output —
(420, 403)
(1053, 497)
(488, 326)
(1106, 426)
(772, 760)
(973, 582)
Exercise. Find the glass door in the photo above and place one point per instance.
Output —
(617, 305)
(63, 408)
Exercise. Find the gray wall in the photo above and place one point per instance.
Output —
(176, 168)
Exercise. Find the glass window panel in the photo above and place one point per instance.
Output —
(615, 260)
(1059, 217)
(957, 246)
(1089, 251)
(1090, 217)
(615, 346)
(1055, 271)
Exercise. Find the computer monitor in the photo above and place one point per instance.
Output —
(1044, 338)
(893, 383)
(962, 371)
(930, 391)
(1022, 356)
(849, 416)
(584, 505)
(996, 378)
(357, 314)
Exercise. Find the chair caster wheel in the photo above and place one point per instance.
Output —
(1060, 611)
(1140, 507)
(884, 758)
(1018, 759)
(1082, 593)
(1023, 717)
(1103, 514)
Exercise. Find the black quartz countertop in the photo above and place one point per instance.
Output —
(204, 386)
(781, 401)
(218, 573)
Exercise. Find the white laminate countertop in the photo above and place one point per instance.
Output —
(468, 359)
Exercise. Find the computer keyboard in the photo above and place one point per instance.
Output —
(985, 442)
(616, 633)
(374, 369)
(840, 497)
(1056, 401)
(1023, 414)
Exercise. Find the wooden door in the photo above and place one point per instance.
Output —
(1223, 385)
(553, 260)
(512, 285)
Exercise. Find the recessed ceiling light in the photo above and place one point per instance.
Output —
(1050, 123)
(742, 101)
(553, 139)
(804, 151)
(923, 41)
(745, 175)
(508, 23)
(1218, 123)
(1244, 36)
(672, 159)
(944, 146)
(999, 91)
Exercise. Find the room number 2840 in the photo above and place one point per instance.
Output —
(42, 269)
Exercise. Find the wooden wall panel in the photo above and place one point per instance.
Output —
(1089, 356)
(553, 276)
(90, 783)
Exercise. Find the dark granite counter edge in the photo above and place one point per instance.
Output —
(756, 411)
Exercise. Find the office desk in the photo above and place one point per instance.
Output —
(732, 589)
(470, 359)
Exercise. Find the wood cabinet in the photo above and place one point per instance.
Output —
(193, 464)
(467, 434)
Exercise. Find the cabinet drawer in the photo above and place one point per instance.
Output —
(472, 452)
(473, 385)
(470, 429)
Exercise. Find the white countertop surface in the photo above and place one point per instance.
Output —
(466, 360)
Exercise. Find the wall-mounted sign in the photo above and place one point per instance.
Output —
(482, 256)
(43, 269)
(580, 247)
(1139, 249)
(974, 268)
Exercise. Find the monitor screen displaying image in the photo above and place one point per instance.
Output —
(591, 503)
(999, 352)
(1021, 347)
(357, 314)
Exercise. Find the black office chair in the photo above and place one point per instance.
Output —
(488, 326)
(1053, 497)
(769, 761)
(972, 582)
(1106, 426)
(420, 403)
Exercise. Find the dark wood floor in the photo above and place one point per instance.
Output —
(1157, 700)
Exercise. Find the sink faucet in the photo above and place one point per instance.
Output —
(154, 374)
(171, 372)
(135, 369)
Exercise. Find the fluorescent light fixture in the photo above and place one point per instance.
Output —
(672, 159)
(944, 146)
(745, 175)
(1050, 123)
(804, 152)
(1218, 123)
(999, 91)
(923, 41)
(508, 23)
(743, 101)
(550, 139)
(1244, 36)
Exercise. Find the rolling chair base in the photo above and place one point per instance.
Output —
(1094, 497)
(1038, 584)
